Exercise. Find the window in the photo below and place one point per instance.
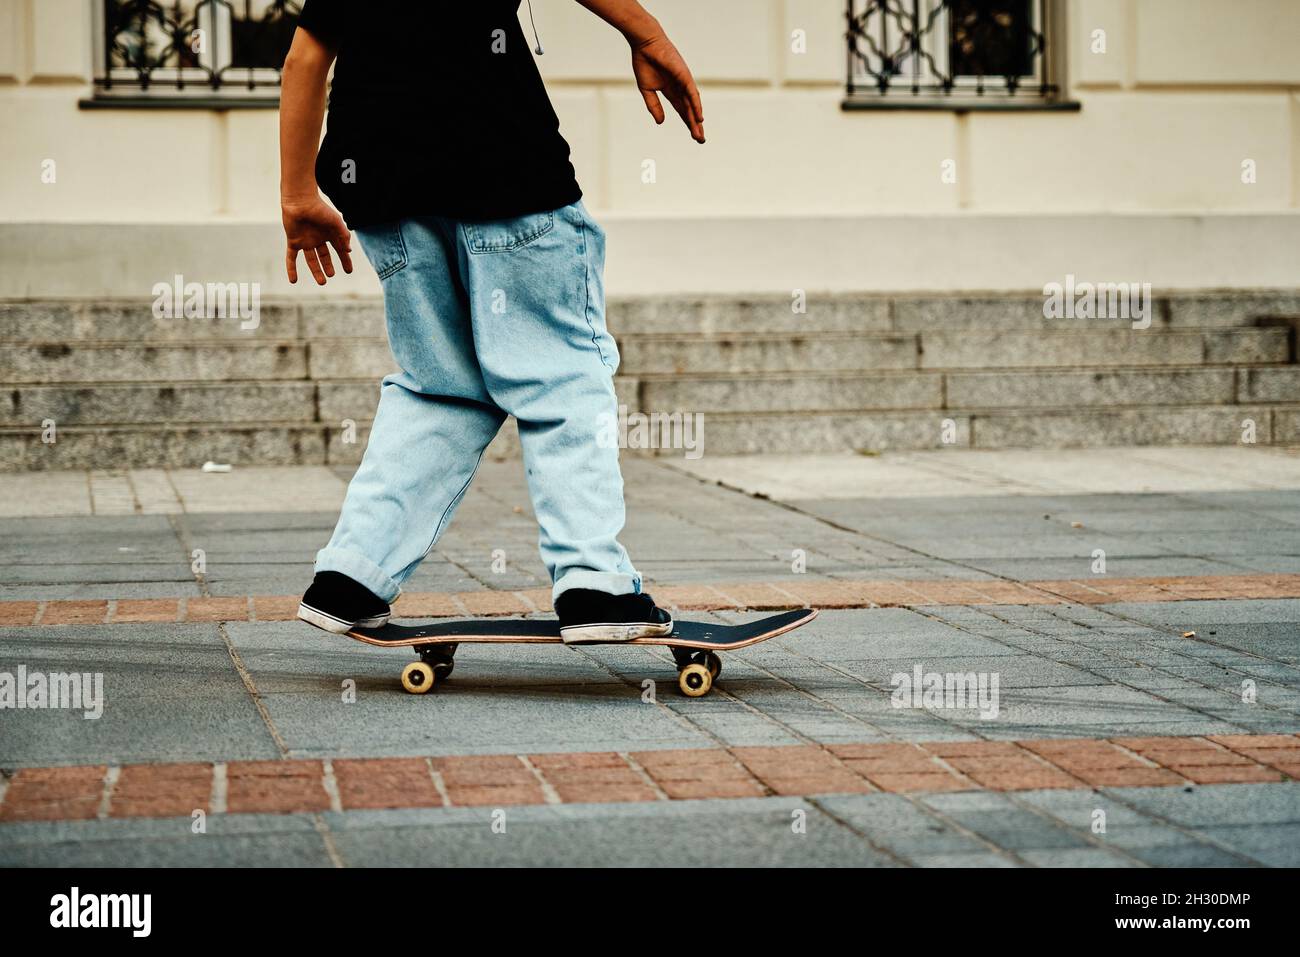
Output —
(192, 52)
(954, 54)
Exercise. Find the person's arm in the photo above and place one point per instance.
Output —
(311, 225)
(656, 64)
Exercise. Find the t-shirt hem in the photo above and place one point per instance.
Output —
(469, 214)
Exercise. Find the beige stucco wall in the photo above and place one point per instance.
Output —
(1187, 90)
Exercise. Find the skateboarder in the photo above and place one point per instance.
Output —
(443, 153)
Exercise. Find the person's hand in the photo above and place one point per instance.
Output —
(659, 68)
(311, 226)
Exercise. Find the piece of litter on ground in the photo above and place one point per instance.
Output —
(217, 466)
(1189, 634)
(1076, 524)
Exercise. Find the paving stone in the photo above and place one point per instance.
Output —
(1213, 806)
(756, 833)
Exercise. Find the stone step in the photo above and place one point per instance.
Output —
(109, 403)
(730, 316)
(787, 432)
(215, 361)
(838, 352)
(1092, 388)
(1196, 425)
(161, 446)
(645, 355)
(289, 319)
(979, 349)
(134, 321)
(848, 313)
(867, 393)
(63, 362)
(1186, 311)
(1011, 389)
(370, 358)
(189, 446)
(333, 402)
(279, 443)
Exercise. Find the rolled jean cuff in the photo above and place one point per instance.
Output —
(359, 569)
(611, 583)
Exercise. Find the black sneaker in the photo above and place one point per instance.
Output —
(337, 603)
(591, 617)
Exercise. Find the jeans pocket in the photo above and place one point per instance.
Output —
(504, 235)
(384, 247)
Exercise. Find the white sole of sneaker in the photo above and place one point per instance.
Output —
(610, 633)
(337, 626)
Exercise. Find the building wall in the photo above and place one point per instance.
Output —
(1186, 91)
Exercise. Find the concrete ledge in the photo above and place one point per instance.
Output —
(731, 255)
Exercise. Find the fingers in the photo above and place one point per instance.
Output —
(343, 246)
(291, 264)
(313, 263)
(697, 104)
(653, 105)
(697, 109)
(327, 263)
(682, 104)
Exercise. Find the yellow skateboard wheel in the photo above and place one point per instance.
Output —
(695, 680)
(417, 678)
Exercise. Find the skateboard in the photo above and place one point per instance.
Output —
(694, 644)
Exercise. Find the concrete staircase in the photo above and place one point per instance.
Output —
(864, 373)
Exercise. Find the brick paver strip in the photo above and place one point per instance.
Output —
(54, 794)
(801, 769)
(161, 790)
(493, 603)
(1278, 751)
(140, 610)
(419, 605)
(494, 780)
(381, 783)
(75, 613)
(691, 597)
(597, 777)
(1220, 774)
(752, 596)
(699, 773)
(276, 607)
(1143, 777)
(723, 597)
(217, 609)
(901, 768)
(503, 780)
(1078, 756)
(275, 787)
(18, 612)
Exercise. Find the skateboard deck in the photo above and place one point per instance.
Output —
(694, 643)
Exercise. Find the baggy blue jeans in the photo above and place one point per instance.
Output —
(487, 320)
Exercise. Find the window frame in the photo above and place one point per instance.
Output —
(967, 92)
(193, 87)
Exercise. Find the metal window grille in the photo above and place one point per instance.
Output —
(192, 49)
(955, 53)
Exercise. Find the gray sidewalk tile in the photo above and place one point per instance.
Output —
(171, 693)
(743, 833)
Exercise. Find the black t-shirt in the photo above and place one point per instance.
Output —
(437, 109)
